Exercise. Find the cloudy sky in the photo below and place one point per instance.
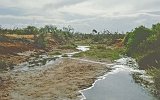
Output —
(83, 15)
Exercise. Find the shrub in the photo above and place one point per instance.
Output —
(65, 55)
(68, 47)
(101, 47)
(55, 53)
(40, 41)
(4, 66)
(155, 73)
(111, 54)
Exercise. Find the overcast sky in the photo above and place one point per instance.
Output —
(83, 15)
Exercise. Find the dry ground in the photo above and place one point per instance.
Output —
(61, 81)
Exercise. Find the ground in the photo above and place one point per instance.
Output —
(10, 45)
(61, 81)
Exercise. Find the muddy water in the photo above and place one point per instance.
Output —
(119, 84)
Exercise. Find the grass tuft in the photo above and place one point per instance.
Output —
(101, 52)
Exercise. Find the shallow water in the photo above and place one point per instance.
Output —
(119, 84)
(44, 60)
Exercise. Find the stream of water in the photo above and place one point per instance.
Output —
(119, 84)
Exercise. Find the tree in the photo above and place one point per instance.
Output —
(40, 40)
(134, 38)
(156, 28)
(1, 29)
(94, 31)
(31, 30)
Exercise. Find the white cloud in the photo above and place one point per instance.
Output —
(84, 15)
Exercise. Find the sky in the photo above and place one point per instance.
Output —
(82, 15)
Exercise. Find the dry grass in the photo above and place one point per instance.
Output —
(60, 82)
(14, 47)
(20, 36)
(11, 44)
(5, 86)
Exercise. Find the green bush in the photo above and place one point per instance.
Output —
(67, 47)
(111, 54)
(101, 47)
(55, 53)
(65, 55)
(155, 73)
(40, 41)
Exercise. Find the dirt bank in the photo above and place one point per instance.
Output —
(9, 50)
(57, 82)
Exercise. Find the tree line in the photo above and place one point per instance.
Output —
(65, 35)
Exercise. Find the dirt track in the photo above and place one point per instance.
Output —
(57, 82)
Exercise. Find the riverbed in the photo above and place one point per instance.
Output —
(66, 78)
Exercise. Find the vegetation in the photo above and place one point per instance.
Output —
(101, 52)
(68, 46)
(104, 37)
(156, 76)
(64, 55)
(40, 41)
(64, 36)
(144, 45)
(41, 35)
(4, 66)
(55, 53)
